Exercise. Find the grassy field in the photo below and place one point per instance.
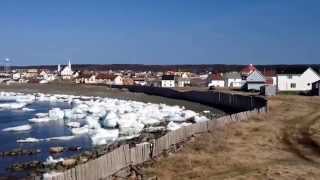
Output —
(282, 144)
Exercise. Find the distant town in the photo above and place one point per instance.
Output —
(249, 78)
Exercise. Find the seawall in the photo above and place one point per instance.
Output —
(228, 102)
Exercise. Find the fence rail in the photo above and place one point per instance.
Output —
(107, 165)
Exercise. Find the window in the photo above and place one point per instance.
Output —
(308, 84)
(293, 85)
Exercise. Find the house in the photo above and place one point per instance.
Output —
(315, 91)
(110, 79)
(168, 81)
(66, 72)
(84, 78)
(128, 81)
(216, 80)
(298, 81)
(232, 80)
(31, 73)
(255, 81)
(16, 76)
(246, 71)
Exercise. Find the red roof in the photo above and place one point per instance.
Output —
(248, 69)
(106, 76)
(216, 76)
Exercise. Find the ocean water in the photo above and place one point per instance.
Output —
(10, 118)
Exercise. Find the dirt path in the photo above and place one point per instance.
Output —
(283, 144)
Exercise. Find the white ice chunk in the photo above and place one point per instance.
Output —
(111, 120)
(56, 114)
(25, 127)
(28, 109)
(200, 119)
(80, 130)
(73, 124)
(39, 119)
(28, 140)
(172, 126)
(50, 160)
(104, 136)
(13, 105)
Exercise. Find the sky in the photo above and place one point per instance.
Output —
(35, 32)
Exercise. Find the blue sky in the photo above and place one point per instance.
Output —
(160, 31)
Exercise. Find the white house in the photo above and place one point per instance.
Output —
(216, 80)
(168, 81)
(255, 80)
(16, 76)
(66, 72)
(233, 80)
(297, 82)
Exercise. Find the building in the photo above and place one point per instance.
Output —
(315, 91)
(66, 72)
(255, 81)
(246, 71)
(232, 80)
(271, 77)
(297, 81)
(84, 78)
(216, 80)
(168, 81)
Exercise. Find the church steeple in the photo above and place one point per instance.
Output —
(69, 64)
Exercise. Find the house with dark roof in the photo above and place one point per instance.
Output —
(297, 81)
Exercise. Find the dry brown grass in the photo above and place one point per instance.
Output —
(283, 144)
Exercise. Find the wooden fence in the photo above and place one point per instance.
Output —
(107, 165)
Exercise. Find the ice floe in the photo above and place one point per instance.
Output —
(51, 160)
(25, 127)
(35, 140)
(12, 105)
(105, 119)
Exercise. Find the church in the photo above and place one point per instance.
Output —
(66, 72)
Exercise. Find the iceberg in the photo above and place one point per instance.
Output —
(25, 127)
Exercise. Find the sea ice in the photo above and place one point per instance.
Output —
(104, 136)
(25, 127)
(56, 114)
(28, 140)
(39, 119)
(13, 105)
(50, 160)
(73, 124)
